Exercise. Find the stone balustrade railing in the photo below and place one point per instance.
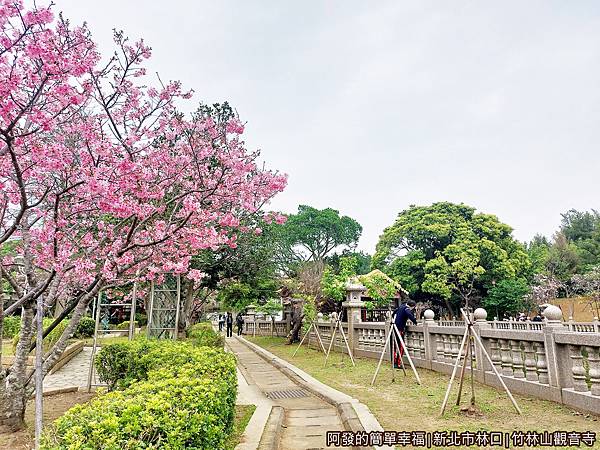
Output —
(553, 360)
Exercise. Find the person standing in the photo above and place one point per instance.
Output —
(401, 315)
(239, 321)
(229, 323)
(221, 322)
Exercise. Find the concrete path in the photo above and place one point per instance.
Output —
(72, 374)
(306, 418)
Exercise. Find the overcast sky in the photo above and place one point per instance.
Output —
(373, 106)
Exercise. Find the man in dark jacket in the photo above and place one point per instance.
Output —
(239, 320)
(229, 324)
(401, 315)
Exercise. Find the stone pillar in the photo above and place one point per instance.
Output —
(353, 306)
(250, 319)
(429, 341)
(553, 316)
(480, 323)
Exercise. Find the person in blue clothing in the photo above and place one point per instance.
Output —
(401, 316)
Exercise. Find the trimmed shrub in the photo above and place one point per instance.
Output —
(142, 319)
(203, 334)
(86, 328)
(119, 365)
(11, 325)
(52, 338)
(124, 325)
(185, 399)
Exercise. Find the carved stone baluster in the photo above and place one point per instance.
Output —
(530, 362)
(594, 362)
(454, 347)
(447, 348)
(422, 344)
(495, 354)
(506, 358)
(541, 365)
(439, 348)
(577, 369)
(517, 359)
(409, 344)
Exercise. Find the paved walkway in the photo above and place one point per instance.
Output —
(72, 374)
(306, 418)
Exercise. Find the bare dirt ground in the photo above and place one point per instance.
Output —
(54, 406)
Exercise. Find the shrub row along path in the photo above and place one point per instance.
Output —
(306, 419)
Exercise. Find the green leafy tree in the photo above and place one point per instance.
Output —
(333, 285)
(238, 295)
(508, 296)
(563, 259)
(450, 252)
(582, 229)
(311, 235)
(271, 308)
(538, 250)
(248, 269)
(363, 261)
(380, 288)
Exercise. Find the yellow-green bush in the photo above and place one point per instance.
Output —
(204, 334)
(11, 326)
(184, 398)
(52, 337)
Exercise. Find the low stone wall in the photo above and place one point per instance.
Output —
(70, 352)
(551, 360)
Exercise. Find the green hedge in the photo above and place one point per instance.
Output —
(184, 397)
(52, 337)
(124, 325)
(141, 319)
(203, 334)
(85, 328)
(11, 326)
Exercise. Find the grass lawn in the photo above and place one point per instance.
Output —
(243, 413)
(406, 406)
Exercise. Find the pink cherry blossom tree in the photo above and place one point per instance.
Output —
(104, 180)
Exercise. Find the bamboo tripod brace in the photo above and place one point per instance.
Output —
(307, 335)
(391, 345)
(472, 336)
(338, 326)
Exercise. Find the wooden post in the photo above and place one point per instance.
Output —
(39, 378)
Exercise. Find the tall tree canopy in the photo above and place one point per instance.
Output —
(450, 252)
(582, 229)
(312, 235)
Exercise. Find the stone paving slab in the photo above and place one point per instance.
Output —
(74, 373)
(301, 427)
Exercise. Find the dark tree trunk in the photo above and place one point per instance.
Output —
(294, 334)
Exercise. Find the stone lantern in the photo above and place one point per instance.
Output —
(353, 306)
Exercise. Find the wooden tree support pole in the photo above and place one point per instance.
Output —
(302, 341)
(462, 344)
(412, 366)
(385, 345)
(39, 377)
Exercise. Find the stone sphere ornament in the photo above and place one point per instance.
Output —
(320, 316)
(480, 314)
(428, 314)
(553, 313)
